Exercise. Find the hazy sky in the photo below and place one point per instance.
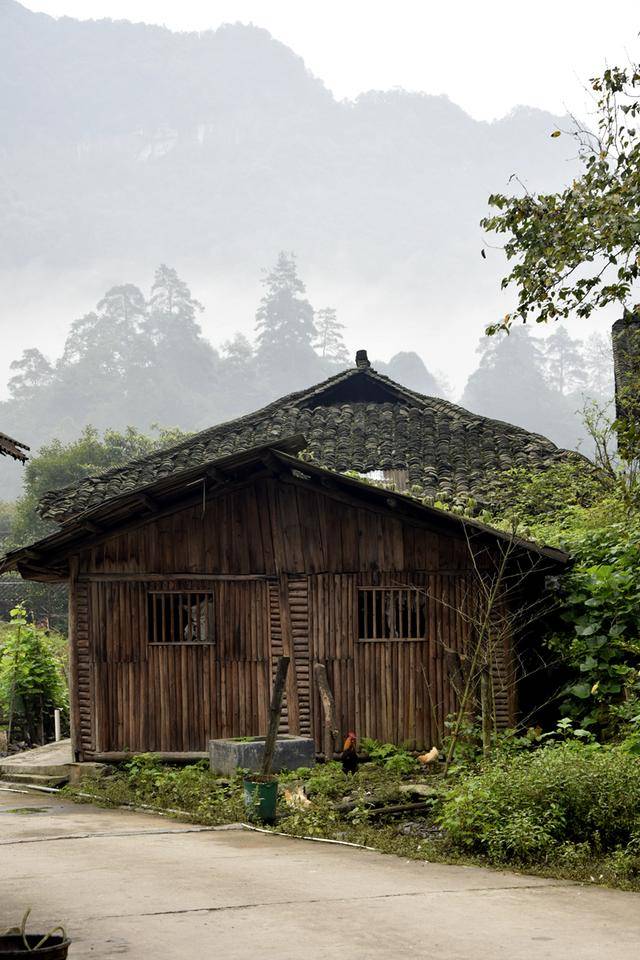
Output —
(487, 57)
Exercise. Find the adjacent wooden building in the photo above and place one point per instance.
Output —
(185, 590)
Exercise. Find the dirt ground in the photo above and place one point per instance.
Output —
(131, 885)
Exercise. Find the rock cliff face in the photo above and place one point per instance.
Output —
(625, 337)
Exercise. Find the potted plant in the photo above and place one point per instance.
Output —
(17, 943)
(261, 789)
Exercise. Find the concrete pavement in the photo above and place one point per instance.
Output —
(131, 885)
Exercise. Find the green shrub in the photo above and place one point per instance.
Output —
(33, 671)
(394, 759)
(191, 789)
(523, 807)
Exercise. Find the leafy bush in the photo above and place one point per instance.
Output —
(600, 636)
(521, 808)
(33, 670)
(192, 790)
(394, 759)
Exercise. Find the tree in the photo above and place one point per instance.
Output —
(104, 340)
(578, 250)
(58, 464)
(598, 361)
(238, 352)
(33, 373)
(510, 384)
(284, 320)
(172, 309)
(564, 363)
(33, 667)
(329, 342)
(184, 364)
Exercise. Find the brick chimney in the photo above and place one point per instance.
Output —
(625, 338)
(362, 360)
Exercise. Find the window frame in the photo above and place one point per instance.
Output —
(157, 626)
(371, 622)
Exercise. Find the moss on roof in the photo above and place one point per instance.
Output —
(357, 420)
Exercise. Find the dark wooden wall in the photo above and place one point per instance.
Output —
(284, 563)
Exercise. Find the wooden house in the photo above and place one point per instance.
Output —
(186, 587)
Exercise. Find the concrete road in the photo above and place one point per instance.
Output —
(131, 885)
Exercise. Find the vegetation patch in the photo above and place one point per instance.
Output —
(556, 808)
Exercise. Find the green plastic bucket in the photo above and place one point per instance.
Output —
(260, 799)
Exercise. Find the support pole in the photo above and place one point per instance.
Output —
(56, 724)
(274, 714)
(331, 731)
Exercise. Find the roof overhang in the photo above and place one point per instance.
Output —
(13, 448)
(47, 559)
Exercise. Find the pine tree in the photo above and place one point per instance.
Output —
(184, 363)
(172, 309)
(284, 320)
(564, 363)
(329, 343)
(510, 384)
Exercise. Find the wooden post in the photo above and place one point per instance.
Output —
(74, 707)
(331, 731)
(485, 706)
(274, 714)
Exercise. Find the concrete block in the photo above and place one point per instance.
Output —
(225, 756)
(79, 771)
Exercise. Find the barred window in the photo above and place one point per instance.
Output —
(391, 613)
(177, 617)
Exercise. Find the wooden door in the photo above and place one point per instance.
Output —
(289, 634)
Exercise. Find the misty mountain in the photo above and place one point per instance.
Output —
(129, 142)
(126, 145)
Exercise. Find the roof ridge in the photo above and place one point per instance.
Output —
(72, 498)
(254, 415)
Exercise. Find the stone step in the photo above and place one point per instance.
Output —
(34, 779)
(17, 764)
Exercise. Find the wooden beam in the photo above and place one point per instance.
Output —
(218, 475)
(31, 554)
(168, 756)
(149, 502)
(74, 705)
(92, 527)
(273, 466)
(159, 577)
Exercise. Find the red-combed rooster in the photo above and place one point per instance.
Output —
(350, 754)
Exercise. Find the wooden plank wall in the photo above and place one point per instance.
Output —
(287, 540)
(174, 697)
(393, 691)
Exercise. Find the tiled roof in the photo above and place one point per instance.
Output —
(12, 448)
(357, 420)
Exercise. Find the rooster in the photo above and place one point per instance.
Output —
(350, 754)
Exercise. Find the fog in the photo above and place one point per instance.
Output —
(127, 146)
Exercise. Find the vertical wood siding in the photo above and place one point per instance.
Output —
(308, 553)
